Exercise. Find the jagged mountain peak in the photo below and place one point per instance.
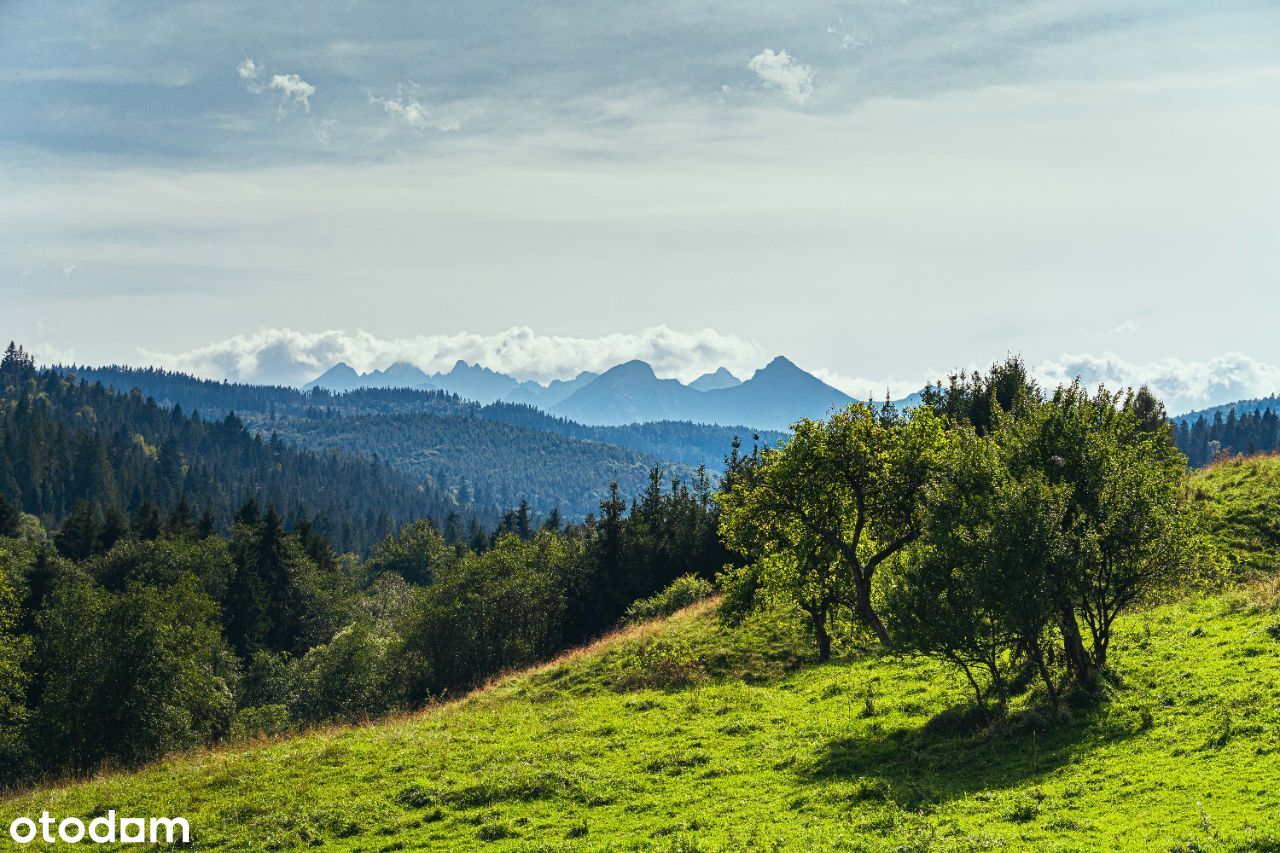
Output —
(719, 378)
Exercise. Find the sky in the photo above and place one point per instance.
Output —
(883, 191)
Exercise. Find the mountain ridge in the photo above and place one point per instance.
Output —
(775, 396)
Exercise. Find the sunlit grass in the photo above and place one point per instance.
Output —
(740, 742)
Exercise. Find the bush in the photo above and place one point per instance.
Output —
(259, 721)
(658, 664)
(347, 678)
(129, 676)
(683, 591)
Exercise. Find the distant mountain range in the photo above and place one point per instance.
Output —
(774, 397)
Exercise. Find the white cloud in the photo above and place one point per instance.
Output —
(1182, 385)
(247, 71)
(781, 70)
(413, 112)
(46, 353)
(860, 388)
(294, 91)
(283, 355)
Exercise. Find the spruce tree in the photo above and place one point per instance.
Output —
(10, 518)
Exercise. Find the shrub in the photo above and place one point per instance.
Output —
(347, 678)
(657, 664)
(259, 721)
(683, 591)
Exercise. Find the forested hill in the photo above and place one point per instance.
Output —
(487, 463)
(64, 440)
(492, 456)
(262, 406)
(1241, 407)
(1252, 428)
(213, 398)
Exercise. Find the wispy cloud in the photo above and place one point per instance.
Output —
(247, 71)
(780, 70)
(861, 388)
(292, 89)
(407, 108)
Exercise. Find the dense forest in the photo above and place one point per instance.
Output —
(1252, 429)
(491, 456)
(64, 441)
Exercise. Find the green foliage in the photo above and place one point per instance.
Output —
(413, 553)
(15, 648)
(348, 678)
(128, 675)
(1065, 513)
(483, 462)
(820, 514)
(81, 458)
(163, 562)
(260, 721)
(490, 611)
(493, 455)
(1247, 428)
(683, 591)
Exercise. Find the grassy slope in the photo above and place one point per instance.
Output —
(1240, 499)
(749, 746)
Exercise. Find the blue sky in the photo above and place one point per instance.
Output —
(880, 190)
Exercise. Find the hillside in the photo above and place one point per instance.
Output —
(486, 462)
(495, 455)
(1241, 407)
(63, 441)
(683, 735)
(1240, 502)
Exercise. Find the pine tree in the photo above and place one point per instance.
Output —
(78, 539)
(10, 518)
(208, 524)
(146, 523)
(181, 524)
(114, 528)
(522, 524)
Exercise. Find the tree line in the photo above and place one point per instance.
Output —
(1207, 439)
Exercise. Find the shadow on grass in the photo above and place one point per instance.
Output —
(962, 751)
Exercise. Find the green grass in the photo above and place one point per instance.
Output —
(1240, 500)
(682, 735)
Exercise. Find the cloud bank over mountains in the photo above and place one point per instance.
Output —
(292, 357)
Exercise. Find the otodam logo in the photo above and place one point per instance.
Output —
(106, 829)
